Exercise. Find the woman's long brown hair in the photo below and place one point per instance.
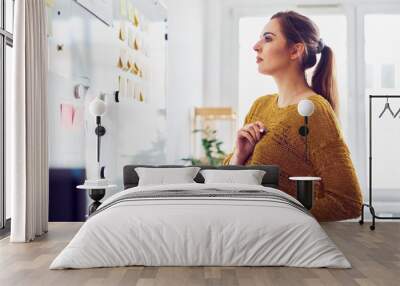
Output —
(298, 28)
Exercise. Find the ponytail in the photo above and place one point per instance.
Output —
(323, 80)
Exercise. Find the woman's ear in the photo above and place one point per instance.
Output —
(297, 51)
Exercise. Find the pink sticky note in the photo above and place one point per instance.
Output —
(67, 112)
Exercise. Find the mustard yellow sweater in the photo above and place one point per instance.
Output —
(338, 195)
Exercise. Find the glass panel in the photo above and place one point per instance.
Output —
(9, 13)
(8, 86)
(381, 53)
(382, 77)
(253, 84)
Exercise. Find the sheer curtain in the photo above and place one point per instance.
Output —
(26, 119)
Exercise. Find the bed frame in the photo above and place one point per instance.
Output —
(270, 179)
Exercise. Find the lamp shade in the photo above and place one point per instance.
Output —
(97, 107)
(305, 107)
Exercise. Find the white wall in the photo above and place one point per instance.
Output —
(184, 72)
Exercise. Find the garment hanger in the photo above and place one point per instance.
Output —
(398, 111)
(387, 106)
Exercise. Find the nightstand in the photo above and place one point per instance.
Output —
(305, 190)
(96, 193)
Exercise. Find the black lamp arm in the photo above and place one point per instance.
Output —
(100, 131)
(303, 131)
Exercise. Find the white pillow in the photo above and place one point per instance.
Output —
(162, 176)
(250, 177)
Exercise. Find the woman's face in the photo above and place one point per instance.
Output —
(272, 52)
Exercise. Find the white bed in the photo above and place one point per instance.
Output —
(184, 230)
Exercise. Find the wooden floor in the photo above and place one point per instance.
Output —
(374, 255)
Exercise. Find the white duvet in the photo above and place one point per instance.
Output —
(200, 231)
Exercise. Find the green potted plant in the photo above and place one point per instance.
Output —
(212, 149)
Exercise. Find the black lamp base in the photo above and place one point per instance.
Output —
(96, 195)
(305, 193)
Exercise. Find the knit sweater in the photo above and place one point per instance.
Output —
(338, 195)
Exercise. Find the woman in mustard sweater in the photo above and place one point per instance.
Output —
(288, 45)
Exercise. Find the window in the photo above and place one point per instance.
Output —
(382, 77)
(6, 44)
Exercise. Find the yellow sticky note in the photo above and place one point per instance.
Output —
(136, 18)
(122, 7)
(129, 64)
(135, 69)
(122, 59)
(136, 44)
(122, 32)
(49, 3)
(120, 64)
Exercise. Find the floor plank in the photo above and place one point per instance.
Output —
(374, 255)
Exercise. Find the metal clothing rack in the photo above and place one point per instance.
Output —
(369, 205)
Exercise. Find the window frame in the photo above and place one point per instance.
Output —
(6, 39)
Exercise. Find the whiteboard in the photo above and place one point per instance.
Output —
(102, 9)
